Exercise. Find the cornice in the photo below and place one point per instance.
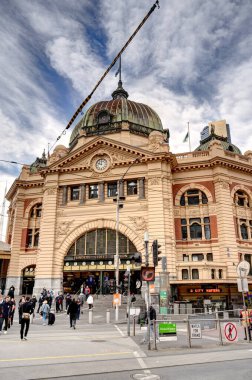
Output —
(23, 184)
(214, 162)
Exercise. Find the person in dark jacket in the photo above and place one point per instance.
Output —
(26, 310)
(11, 292)
(72, 311)
(7, 307)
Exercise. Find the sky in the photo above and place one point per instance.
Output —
(191, 62)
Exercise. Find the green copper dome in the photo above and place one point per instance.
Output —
(108, 116)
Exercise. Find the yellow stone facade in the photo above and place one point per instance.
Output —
(162, 178)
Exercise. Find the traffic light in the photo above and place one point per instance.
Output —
(125, 281)
(137, 258)
(156, 252)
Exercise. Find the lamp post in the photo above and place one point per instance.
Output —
(146, 245)
(118, 206)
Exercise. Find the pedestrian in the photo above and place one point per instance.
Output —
(12, 312)
(68, 300)
(6, 313)
(33, 302)
(11, 291)
(26, 311)
(72, 311)
(245, 321)
(1, 313)
(153, 318)
(51, 317)
(87, 292)
(40, 301)
(21, 301)
(45, 309)
(78, 310)
(90, 301)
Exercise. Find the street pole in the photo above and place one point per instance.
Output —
(117, 251)
(146, 244)
(128, 304)
(117, 259)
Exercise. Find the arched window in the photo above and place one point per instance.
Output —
(36, 211)
(241, 199)
(193, 197)
(101, 241)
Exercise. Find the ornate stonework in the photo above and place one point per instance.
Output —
(154, 181)
(63, 228)
(139, 223)
(51, 191)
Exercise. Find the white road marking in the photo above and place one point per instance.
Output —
(120, 331)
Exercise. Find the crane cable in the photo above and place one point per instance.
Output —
(156, 4)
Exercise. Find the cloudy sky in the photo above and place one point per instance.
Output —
(190, 62)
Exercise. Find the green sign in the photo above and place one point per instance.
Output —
(163, 301)
(167, 328)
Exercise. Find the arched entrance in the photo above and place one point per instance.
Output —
(28, 275)
(90, 261)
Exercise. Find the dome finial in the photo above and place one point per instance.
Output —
(119, 92)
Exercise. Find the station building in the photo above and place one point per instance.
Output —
(62, 217)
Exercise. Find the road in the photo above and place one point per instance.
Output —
(104, 351)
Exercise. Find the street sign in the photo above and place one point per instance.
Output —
(148, 274)
(195, 331)
(116, 299)
(167, 331)
(242, 284)
(230, 332)
(243, 269)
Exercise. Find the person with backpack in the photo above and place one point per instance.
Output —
(26, 309)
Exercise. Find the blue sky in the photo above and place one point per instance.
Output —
(190, 62)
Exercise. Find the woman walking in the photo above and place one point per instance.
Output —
(25, 312)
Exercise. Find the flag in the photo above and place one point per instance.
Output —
(186, 137)
(118, 71)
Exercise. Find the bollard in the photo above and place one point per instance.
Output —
(155, 334)
(90, 316)
(134, 325)
(108, 316)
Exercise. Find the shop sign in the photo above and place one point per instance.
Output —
(195, 330)
(199, 290)
(167, 331)
(163, 301)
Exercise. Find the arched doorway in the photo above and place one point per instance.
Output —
(28, 279)
(90, 261)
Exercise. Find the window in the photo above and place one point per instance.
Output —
(241, 199)
(244, 230)
(112, 189)
(195, 274)
(185, 274)
(75, 193)
(197, 228)
(36, 211)
(185, 257)
(212, 274)
(197, 257)
(193, 197)
(209, 256)
(32, 239)
(183, 229)
(101, 242)
(131, 187)
(220, 274)
(93, 191)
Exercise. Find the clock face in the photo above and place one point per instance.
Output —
(101, 164)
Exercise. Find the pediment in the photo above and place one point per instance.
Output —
(116, 153)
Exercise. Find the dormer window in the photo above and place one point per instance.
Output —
(103, 117)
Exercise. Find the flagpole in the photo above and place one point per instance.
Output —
(189, 138)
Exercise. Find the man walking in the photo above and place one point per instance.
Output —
(26, 309)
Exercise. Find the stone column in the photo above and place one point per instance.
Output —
(101, 192)
(141, 186)
(82, 194)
